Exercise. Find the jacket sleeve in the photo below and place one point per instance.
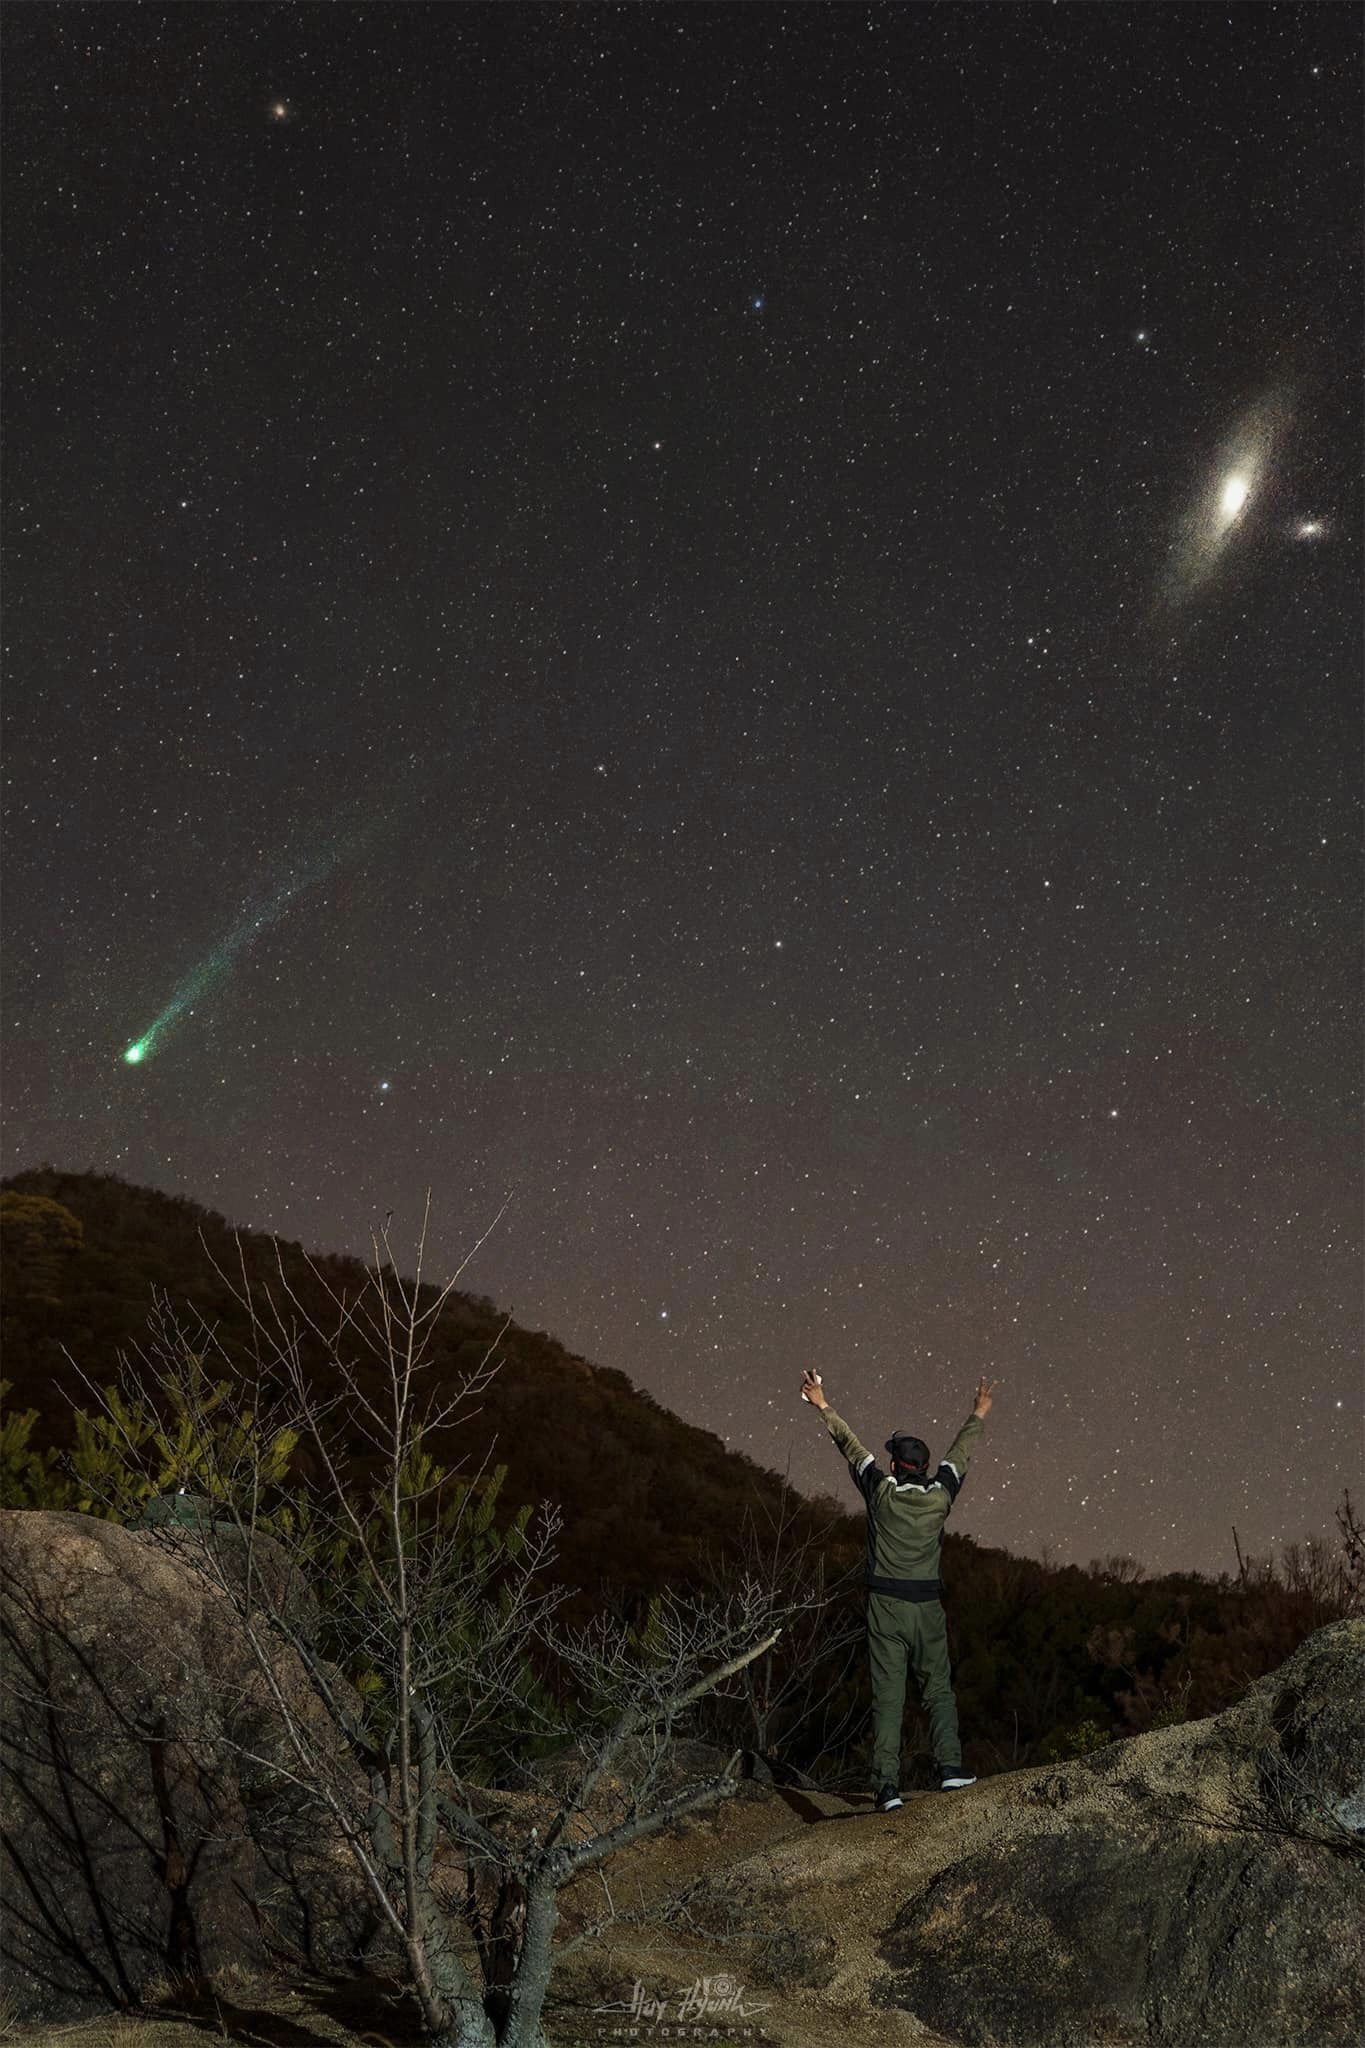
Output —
(952, 1470)
(862, 1467)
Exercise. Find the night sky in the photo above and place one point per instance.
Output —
(743, 622)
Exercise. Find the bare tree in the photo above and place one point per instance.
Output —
(796, 1697)
(1118, 1569)
(1320, 1583)
(427, 1637)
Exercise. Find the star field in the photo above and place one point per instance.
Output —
(743, 621)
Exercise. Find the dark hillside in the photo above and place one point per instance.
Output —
(642, 1492)
(1049, 1662)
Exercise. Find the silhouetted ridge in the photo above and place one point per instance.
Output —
(642, 1492)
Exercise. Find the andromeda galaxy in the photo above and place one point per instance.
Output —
(1225, 499)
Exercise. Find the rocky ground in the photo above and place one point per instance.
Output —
(1198, 1887)
(1201, 1886)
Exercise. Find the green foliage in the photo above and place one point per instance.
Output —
(201, 1458)
(124, 1453)
(104, 1463)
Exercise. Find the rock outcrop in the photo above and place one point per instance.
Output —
(1201, 1886)
(1195, 1888)
(145, 1835)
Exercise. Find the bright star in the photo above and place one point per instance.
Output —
(1309, 529)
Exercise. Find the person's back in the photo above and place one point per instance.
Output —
(906, 1511)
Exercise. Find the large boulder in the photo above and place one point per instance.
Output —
(151, 1831)
(1300, 1734)
(1201, 1886)
(1089, 1932)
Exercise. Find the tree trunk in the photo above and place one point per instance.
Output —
(527, 1998)
(467, 2024)
(468, 2028)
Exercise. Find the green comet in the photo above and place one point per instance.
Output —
(201, 979)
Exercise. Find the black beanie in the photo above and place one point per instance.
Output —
(911, 1452)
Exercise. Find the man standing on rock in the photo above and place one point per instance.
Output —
(906, 1510)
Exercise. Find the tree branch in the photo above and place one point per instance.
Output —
(581, 1856)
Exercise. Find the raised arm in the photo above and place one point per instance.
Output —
(861, 1464)
(953, 1466)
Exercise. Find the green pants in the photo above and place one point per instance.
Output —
(913, 1632)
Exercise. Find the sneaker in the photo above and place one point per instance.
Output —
(888, 1799)
(952, 1778)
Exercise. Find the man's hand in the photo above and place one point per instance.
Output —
(811, 1389)
(985, 1390)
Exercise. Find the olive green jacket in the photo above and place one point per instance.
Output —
(905, 1518)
